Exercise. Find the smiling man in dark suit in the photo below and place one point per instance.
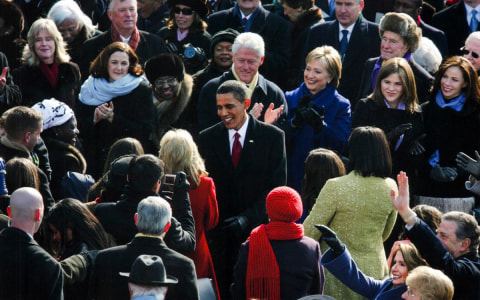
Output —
(246, 159)
(362, 42)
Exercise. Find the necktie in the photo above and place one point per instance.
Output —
(244, 21)
(474, 21)
(236, 150)
(343, 43)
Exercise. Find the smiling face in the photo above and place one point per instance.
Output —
(166, 87)
(68, 131)
(392, 89)
(231, 111)
(473, 45)
(223, 55)
(399, 269)
(246, 63)
(117, 65)
(183, 21)
(348, 11)
(45, 47)
(452, 83)
(446, 232)
(392, 45)
(315, 76)
(124, 15)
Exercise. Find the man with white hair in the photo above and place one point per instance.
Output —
(26, 270)
(248, 55)
(471, 50)
(153, 220)
(123, 14)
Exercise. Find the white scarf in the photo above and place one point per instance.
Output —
(96, 91)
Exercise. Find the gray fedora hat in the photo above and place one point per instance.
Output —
(149, 270)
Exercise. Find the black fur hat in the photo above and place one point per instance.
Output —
(164, 65)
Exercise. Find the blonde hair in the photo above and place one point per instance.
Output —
(330, 60)
(29, 54)
(179, 152)
(430, 283)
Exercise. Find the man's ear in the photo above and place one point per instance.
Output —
(109, 14)
(9, 212)
(167, 227)
(27, 136)
(261, 61)
(247, 103)
(466, 244)
(135, 217)
(38, 215)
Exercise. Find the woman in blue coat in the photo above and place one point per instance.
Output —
(405, 257)
(318, 115)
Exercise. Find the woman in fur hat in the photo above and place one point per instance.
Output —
(400, 37)
(185, 25)
(172, 90)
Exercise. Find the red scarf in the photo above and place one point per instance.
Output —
(263, 274)
(134, 38)
(51, 72)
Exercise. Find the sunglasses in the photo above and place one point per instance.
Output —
(465, 51)
(169, 81)
(185, 11)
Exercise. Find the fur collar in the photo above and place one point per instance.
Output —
(71, 150)
(168, 113)
(17, 146)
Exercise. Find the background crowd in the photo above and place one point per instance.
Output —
(147, 145)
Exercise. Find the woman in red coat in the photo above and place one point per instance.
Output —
(180, 153)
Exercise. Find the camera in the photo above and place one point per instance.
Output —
(170, 179)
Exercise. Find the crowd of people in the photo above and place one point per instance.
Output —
(148, 147)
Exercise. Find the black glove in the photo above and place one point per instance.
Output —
(297, 120)
(416, 147)
(330, 237)
(314, 118)
(303, 102)
(443, 174)
(467, 164)
(236, 225)
(396, 132)
(180, 198)
(3, 185)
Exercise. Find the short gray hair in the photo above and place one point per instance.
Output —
(138, 290)
(251, 41)
(153, 214)
(473, 36)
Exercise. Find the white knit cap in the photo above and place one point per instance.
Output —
(54, 112)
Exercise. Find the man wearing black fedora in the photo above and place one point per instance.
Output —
(148, 278)
(153, 221)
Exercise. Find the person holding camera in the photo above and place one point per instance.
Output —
(186, 33)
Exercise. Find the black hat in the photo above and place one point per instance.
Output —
(199, 6)
(227, 35)
(116, 176)
(165, 64)
(149, 270)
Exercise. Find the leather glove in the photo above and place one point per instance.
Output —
(303, 102)
(416, 147)
(314, 117)
(297, 120)
(180, 197)
(443, 174)
(236, 225)
(330, 237)
(396, 132)
(3, 185)
(469, 164)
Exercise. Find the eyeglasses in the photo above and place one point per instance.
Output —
(185, 11)
(410, 292)
(465, 51)
(169, 81)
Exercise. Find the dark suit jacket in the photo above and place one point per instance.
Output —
(437, 36)
(364, 43)
(12, 93)
(261, 168)
(453, 22)
(275, 32)
(26, 270)
(464, 270)
(265, 92)
(107, 283)
(148, 46)
(423, 80)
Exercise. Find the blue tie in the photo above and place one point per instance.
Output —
(343, 43)
(474, 21)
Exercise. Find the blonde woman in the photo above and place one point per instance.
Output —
(179, 152)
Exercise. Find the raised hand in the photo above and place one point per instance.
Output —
(469, 164)
(272, 115)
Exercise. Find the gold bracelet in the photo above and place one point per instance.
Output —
(411, 217)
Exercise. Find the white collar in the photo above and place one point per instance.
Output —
(242, 132)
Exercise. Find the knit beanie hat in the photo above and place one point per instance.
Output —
(165, 64)
(227, 35)
(284, 204)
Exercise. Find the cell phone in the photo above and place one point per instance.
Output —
(170, 179)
